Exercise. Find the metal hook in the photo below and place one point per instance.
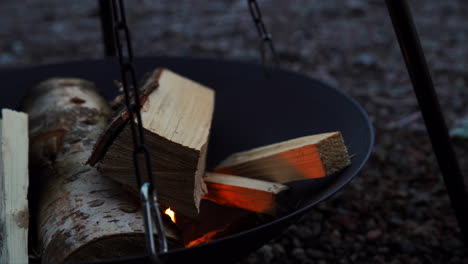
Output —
(150, 206)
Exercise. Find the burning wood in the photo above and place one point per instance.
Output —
(245, 193)
(79, 214)
(177, 119)
(301, 158)
(214, 222)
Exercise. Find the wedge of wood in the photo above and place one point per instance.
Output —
(80, 215)
(176, 117)
(245, 193)
(301, 158)
(14, 182)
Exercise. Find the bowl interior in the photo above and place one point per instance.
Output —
(251, 110)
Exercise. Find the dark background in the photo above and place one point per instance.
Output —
(397, 210)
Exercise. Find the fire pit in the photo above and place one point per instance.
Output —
(313, 107)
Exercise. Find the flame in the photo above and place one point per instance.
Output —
(171, 214)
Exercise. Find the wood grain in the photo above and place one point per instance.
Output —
(176, 120)
(301, 158)
(14, 182)
(245, 193)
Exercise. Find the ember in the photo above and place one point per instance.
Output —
(205, 238)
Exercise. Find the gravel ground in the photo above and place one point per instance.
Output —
(397, 210)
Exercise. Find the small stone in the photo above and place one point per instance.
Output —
(17, 46)
(374, 235)
(294, 229)
(357, 246)
(6, 58)
(383, 250)
(335, 239)
(297, 243)
(348, 222)
(454, 243)
(336, 233)
(316, 230)
(357, 5)
(305, 232)
(58, 27)
(252, 259)
(278, 249)
(267, 252)
(396, 221)
(299, 254)
(365, 59)
(371, 224)
(407, 247)
(360, 238)
(315, 253)
(316, 217)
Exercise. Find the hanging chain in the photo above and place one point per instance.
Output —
(265, 38)
(148, 190)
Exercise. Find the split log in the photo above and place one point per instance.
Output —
(245, 193)
(81, 215)
(176, 115)
(301, 158)
(14, 215)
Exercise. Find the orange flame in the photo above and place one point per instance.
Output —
(171, 214)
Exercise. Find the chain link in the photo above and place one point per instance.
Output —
(128, 72)
(266, 41)
(127, 68)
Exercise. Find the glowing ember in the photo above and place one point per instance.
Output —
(171, 214)
(205, 238)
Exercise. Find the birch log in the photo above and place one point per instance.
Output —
(81, 215)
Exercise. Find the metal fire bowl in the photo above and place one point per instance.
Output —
(251, 110)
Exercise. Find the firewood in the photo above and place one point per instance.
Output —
(245, 193)
(80, 214)
(176, 117)
(301, 158)
(14, 213)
